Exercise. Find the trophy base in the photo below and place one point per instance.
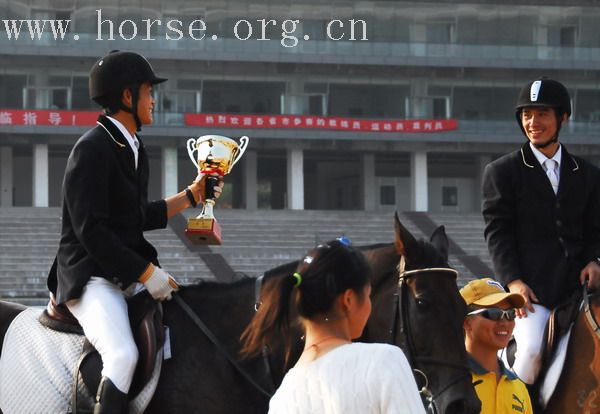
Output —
(205, 231)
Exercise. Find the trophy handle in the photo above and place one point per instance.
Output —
(191, 147)
(243, 145)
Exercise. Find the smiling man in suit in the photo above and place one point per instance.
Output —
(103, 255)
(541, 207)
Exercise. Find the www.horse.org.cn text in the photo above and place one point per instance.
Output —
(287, 31)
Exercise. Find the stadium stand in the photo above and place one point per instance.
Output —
(253, 241)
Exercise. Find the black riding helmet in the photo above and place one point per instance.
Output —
(544, 92)
(116, 72)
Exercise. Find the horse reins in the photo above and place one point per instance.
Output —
(206, 331)
(401, 319)
(588, 312)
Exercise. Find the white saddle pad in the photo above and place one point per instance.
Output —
(555, 369)
(37, 368)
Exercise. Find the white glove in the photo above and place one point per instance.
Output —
(160, 284)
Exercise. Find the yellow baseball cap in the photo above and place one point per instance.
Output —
(488, 292)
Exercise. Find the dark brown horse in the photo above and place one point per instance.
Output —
(578, 389)
(426, 322)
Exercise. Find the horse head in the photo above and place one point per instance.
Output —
(427, 318)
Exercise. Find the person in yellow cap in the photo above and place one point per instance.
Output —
(488, 327)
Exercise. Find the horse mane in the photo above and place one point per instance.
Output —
(283, 269)
(242, 279)
(373, 246)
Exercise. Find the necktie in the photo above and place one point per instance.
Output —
(136, 143)
(551, 173)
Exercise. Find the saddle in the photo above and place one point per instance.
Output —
(558, 325)
(145, 317)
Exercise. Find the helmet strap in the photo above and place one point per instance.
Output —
(554, 140)
(135, 93)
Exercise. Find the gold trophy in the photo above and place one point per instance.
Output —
(216, 154)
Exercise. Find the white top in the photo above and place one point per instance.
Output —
(131, 139)
(542, 158)
(354, 378)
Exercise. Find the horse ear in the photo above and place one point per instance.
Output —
(439, 239)
(405, 241)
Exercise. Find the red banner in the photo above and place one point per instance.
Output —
(47, 117)
(320, 122)
(84, 118)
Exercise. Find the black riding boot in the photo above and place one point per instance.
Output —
(534, 395)
(110, 400)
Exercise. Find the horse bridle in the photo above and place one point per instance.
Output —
(401, 320)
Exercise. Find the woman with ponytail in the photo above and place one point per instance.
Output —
(329, 292)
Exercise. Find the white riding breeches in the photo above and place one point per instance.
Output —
(529, 335)
(102, 313)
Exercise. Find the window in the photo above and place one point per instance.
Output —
(11, 91)
(563, 36)
(80, 98)
(427, 107)
(47, 98)
(568, 36)
(449, 196)
(387, 195)
(489, 103)
(242, 97)
(441, 32)
(369, 101)
(587, 102)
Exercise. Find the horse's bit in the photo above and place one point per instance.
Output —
(401, 318)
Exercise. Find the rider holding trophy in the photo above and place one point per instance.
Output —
(103, 256)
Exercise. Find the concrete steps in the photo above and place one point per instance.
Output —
(466, 229)
(253, 242)
(29, 240)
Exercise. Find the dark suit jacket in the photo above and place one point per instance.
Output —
(105, 211)
(533, 234)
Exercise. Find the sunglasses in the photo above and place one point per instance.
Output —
(495, 314)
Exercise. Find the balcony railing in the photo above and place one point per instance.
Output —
(320, 51)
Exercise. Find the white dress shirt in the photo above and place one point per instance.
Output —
(134, 144)
(542, 158)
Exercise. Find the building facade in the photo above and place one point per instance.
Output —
(374, 105)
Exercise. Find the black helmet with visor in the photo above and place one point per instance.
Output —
(547, 93)
(116, 72)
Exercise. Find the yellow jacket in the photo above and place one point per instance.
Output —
(507, 396)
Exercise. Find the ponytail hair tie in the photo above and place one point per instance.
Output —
(298, 278)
